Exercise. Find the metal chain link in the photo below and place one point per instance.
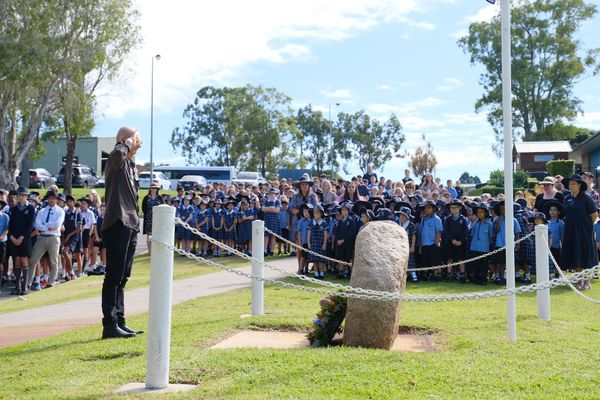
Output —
(569, 283)
(395, 296)
(435, 267)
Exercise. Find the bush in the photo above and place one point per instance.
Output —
(493, 190)
(560, 167)
(520, 178)
(532, 183)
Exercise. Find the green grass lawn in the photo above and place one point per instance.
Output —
(558, 359)
(91, 286)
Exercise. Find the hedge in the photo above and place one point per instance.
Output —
(560, 167)
(493, 190)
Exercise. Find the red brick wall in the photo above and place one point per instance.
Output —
(527, 163)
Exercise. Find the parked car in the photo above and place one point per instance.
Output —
(145, 180)
(83, 176)
(192, 182)
(100, 183)
(39, 178)
(251, 178)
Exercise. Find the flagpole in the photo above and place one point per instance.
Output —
(508, 168)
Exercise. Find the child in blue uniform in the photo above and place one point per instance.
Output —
(245, 217)
(229, 223)
(556, 229)
(430, 237)
(71, 237)
(185, 212)
(481, 234)
(455, 235)
(179, 231)
(345, 235)
(202, 226)
(499, 259)
(302, 240)
(318, 234)
(217, 226)
(284, 225)
(271, 209)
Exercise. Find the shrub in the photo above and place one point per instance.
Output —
(520, 178)
(560, 167)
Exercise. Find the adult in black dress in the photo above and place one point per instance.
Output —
(579, 247)
(549, 194)
(152, 199)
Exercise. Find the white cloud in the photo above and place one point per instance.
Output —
(421, 25)
(459, 34)
(384, 87)
(590, 120)
(205, 43)
(485, 13)
(338, 94)
(450, 84)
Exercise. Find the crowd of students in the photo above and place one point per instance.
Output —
(44, 241)
(57, 238)
(323, 217)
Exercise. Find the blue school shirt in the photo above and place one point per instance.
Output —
(481, 236)
(597, 231)
(4, 221)
(428, 228)
(500, 236)
(556, 230)
(453, 193)
(284, 220)
(303, 229)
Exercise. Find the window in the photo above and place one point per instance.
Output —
(543, 157)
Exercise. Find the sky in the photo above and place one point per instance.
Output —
(383, 56)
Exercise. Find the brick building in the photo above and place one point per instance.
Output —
(533, 156)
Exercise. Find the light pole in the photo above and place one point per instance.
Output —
(331, 140)
(157, 57)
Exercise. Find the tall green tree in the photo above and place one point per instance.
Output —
(548, 59)
(52, 45)
(316, 140)
(367, 140)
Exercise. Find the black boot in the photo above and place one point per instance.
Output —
(114, 331)
(125, 328)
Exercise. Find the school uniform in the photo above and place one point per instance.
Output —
(455, 229)
(244, 228)
(317, 235)
(217, 222)
(99, 243)
(411, 230)
(229, 222)
(72, 222)
(481, 236)
(4, 222)
(88, 219)
(556, 228)
(526, 252)
(184, 212)
(200, 217)
(272, 218)
(428, 229)
(21, 224)
(303, 226)
(500, 257)
(345, 229)
(284, 224)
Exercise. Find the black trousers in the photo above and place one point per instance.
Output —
(120, 243)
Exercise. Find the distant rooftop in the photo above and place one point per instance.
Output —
(559, 146)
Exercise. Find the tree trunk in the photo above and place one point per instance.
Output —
(70, 139)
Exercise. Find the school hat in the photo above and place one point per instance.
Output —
(406, 212)
(455, 202)
(482, 206)
(522, 203)
(576, 178)
(348, 205)
(385, 214)
(406, 204)
(50, 193)
(243, 197)
(363, 190)
(334, 210)
(84, 199)
(369, 213)
(441, 204)
(32, 197)
(549, 180)
(534, 216)
(180, 188)
(394, 200)
(376, 201)
(304, 179)
(305, 206)
(174, 198)
(359, 205)
(430, 203)
(154, 185)
(69, 197)
(417, 197)
(553, 203)
(22, 190)
(274, 190)
(187, 197)
(320, 208)
(61, 196)
(498, 204)
(218, 201)
(12, 193)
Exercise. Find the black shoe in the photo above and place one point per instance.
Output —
(125, 328)
(115, 332)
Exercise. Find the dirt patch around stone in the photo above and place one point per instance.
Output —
(417, 343)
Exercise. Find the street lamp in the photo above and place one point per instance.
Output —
(331, 140)
(156, 57)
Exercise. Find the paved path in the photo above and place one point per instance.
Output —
(21, 326)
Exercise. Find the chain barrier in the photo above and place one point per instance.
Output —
(395, 296)
(569, 283)
(435, 267)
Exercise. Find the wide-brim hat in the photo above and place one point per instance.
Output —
(553, 203)
(385, 214)
(69, 197)
(406, 212)
(576, 178)
(334, 210)
(534, 216)
(61, 196)
(50, 193)
(22, 190)
(496, 207)
(360, 205)
(369, 213)
(320, 208)
(346, 204)
(455, 202)
(417, 197)
(154, 185)
(549, 180)
(430, 203)
(406, 204)
(481, 206)
(522, 203)
(218, 201)
(305, 206)
(394, 200)
(304, 179)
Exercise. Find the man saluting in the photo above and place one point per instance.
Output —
(119, 231)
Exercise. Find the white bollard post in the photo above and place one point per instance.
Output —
(258, 252)
(159, 310)
(542, 271)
